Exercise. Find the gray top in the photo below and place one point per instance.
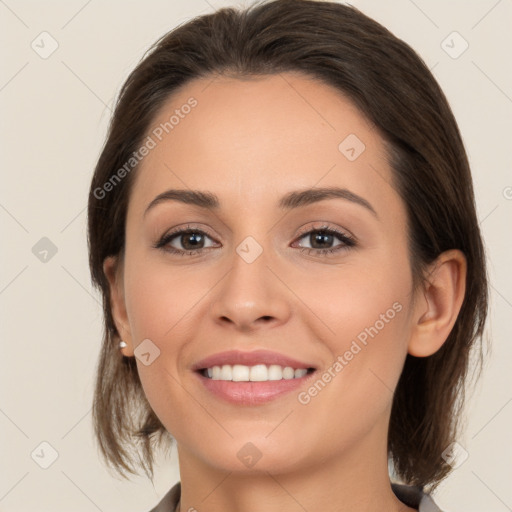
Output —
(411, 496)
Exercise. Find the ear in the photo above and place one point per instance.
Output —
(112, 269)
(437, 308)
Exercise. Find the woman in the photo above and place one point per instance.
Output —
(282, 224)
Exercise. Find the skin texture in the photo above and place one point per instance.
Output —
(250, 142)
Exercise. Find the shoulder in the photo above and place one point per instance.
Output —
(415, 497)
(169, 501)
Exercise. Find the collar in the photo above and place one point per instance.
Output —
(409, 495)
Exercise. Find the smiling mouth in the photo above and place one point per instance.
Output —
(255, 373)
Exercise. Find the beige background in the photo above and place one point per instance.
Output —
(54, 118)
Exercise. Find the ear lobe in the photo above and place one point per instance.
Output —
(437, 310)
(112, 269)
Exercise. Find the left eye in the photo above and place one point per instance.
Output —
(324, 236)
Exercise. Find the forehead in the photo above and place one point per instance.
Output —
(251, 140)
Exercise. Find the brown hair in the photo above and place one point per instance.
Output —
(394, 89)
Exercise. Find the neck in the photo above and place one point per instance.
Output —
(356, 481)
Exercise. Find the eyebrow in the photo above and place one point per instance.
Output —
(291, 200)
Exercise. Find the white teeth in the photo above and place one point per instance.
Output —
(275, 372)
(226, 373)
(257, 373)
(240, 373)
(288, 373)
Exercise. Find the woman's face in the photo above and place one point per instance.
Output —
(263, 279)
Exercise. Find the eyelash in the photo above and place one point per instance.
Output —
(347, 240)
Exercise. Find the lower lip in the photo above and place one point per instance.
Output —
(252, 393)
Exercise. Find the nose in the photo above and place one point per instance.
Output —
(251, 296)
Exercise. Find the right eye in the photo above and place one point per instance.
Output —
(191, 240)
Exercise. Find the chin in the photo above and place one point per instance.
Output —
(252, 455)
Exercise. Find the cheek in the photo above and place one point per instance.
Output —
(367, 340)
(354, 393)
(159, 298)
(365, 297)
(163, 304)
(365, 326)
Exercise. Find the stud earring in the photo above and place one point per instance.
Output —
(122, 344)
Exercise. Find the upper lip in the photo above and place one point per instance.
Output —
(252, 358)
